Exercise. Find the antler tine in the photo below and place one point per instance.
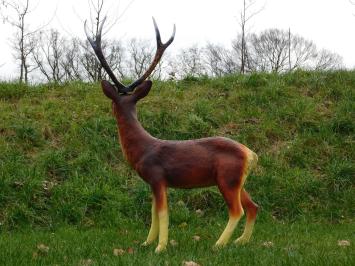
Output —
(157, 33)
(158, 54)
(96, 45)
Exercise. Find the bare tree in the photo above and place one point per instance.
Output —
(237, 53)
(248, 11)
(23, 43)
(190, 62)
(71, 62)
(93, 69)
(289, 49)
(278, 51)
(98, 12)
(219, 60)
(117, 58)
(301, 52)
(270, 50)
(89, 61)
(49, 54)
(326, 60)
(140, 54)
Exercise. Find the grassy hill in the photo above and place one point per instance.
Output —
(60, 159)
(60, 162)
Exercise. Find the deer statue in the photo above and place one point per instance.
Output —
(214, 161)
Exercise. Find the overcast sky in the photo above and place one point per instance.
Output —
(329, 23)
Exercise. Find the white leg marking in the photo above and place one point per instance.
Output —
(154, 228)
(248, 230)
(163, 230)
(228, 231)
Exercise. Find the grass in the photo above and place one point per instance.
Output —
(273, 244)
(61, 170)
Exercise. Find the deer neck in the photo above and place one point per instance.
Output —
(134, 140)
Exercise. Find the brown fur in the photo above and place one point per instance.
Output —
(215, 161)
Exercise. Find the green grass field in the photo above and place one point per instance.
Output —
(273, 244)
(64, 182)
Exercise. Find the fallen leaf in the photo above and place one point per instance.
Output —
(18, 184)
(42, 248)
(48, 185)
(190, 263)
(200, 212)
(118, 251)
(180, 203)
(87, 222)
(86, 262)
(196, 238)
(182, 225)
(252, 120)
(173, 242)
(130, 250)
(343, 243)
(268, 244)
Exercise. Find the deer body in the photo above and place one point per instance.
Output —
(184, 164)
(214, 161)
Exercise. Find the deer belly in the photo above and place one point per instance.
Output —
(190, 177)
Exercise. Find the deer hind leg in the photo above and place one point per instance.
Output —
(232, 195)
(160, 195)
(248, 204)
(154, 228)
(251, 210)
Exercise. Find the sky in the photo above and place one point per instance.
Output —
(329, 23)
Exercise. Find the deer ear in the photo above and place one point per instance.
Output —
(109, 90)
(142, 90)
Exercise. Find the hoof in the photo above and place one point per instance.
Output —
(145, 243)
(241, 241)
(160, 248)
(219, 245)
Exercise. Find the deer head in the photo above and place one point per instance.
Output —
(120, 94)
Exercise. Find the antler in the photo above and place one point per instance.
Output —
(96, 45)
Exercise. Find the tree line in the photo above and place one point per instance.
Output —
(50, 56)
(58, 59)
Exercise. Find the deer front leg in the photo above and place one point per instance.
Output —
(160, 194)
(154, 228)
